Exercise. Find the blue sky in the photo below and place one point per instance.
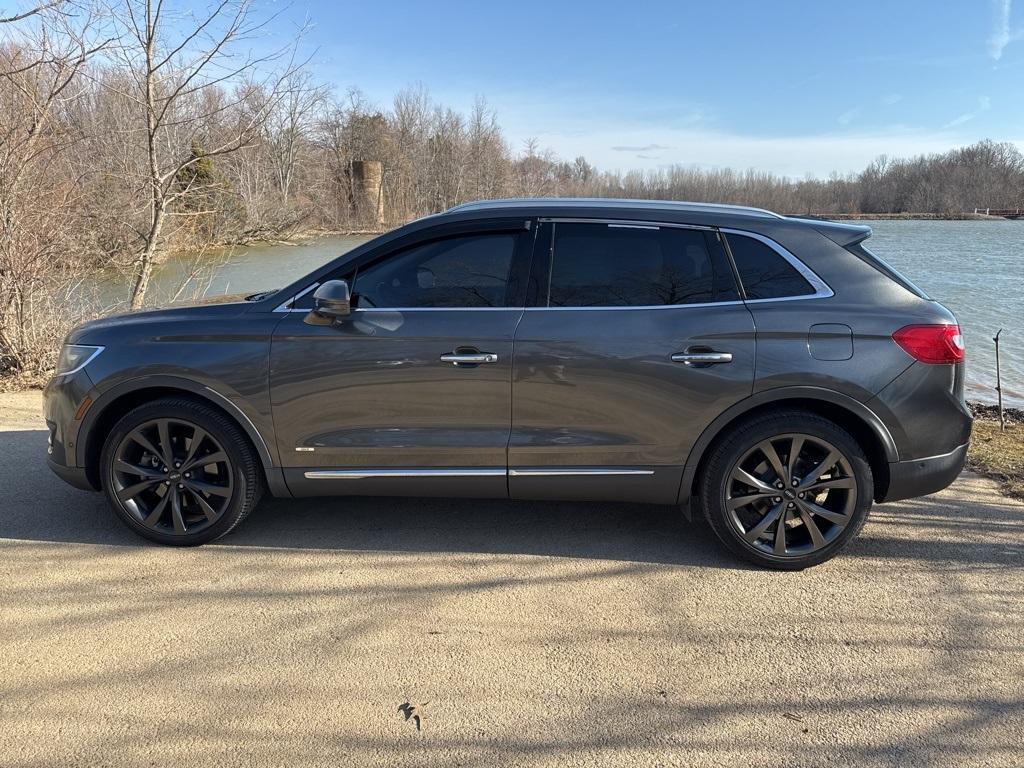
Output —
(791, 87)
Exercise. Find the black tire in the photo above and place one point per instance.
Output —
(220, 479)
(821, 508)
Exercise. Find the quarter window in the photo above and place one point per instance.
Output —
(764, 272)
(602, 265)
(470, 271)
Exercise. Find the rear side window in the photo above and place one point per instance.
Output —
(470, 271)
(764, 272)
(608, 265)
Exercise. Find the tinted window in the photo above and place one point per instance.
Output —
(765, 274)
(469, 271)
(600, 265)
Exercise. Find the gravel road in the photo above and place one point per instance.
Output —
(481, 633)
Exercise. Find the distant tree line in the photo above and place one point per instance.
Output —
(131, 128)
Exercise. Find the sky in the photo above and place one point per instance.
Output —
(796, 88)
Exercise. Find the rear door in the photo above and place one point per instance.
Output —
(634, 339)
(412, 392)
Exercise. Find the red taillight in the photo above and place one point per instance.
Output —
(934, 344)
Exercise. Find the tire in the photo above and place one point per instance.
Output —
(821, 507)
(217, 482)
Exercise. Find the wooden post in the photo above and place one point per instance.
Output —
(368, 192)
(999, 384)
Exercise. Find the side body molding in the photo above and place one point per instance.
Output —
(275, 479)
(780, 394)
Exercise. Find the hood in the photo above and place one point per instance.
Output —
(207, 309)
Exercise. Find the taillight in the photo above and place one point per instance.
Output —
(934, 344)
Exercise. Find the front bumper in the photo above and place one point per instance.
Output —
(919, 477)
(64, 399)
(74, 476)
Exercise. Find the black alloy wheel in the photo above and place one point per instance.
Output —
(180, 472)
(786, 489)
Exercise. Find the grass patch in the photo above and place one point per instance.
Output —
(999, 454)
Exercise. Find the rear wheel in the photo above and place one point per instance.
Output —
(787, 490)
(179, 472)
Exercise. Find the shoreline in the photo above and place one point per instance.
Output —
(968, 216)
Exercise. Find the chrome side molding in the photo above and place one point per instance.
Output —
(365, 474)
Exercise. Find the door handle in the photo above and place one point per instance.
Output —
(702, 358)
(469, 358)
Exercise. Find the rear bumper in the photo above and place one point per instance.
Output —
(919, 477)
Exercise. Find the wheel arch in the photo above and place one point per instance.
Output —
(863, 423)
(118, 400)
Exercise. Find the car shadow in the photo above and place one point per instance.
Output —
(37, 506)
(40, 507)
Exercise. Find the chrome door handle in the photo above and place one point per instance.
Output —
(469, 358)
(703, 358)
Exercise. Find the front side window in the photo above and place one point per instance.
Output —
(764, 272)
(608, 265)
(468, 271)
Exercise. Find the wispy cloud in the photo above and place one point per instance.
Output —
(644, 148)
(1002, 34)
(848, 116)
(966, 117)
(892, 98)
(984, 103)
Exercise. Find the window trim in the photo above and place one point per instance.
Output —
(548, 250)
(822, 290)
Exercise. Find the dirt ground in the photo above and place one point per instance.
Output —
(482, 633)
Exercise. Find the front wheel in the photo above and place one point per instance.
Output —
(787, 490)
(179, 472)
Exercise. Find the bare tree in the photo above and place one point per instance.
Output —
(290, 126)
(178, 63)
(39, 73)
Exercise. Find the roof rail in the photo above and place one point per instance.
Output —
(610, 202)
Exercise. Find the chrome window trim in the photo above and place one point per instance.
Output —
(701, 305)
(624, 223)
(422, 309)
(822, 290)
(364, 474)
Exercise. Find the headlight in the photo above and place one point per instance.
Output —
(74, 357)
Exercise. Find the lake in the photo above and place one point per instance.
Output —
(973, 267)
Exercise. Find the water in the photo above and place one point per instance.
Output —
(973, 267)
(976, 268)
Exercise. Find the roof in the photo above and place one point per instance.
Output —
(611, 204)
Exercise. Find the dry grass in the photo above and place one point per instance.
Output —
(999, 454)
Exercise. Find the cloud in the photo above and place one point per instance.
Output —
(984, 103)
(644, 148)
(848, 116)
(1002, 35)
(964, 118)
(893, 98)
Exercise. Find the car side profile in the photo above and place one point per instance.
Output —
(767, 371)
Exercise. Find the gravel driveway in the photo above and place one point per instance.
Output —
(440, 632)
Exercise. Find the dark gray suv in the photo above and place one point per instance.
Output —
(767, 370)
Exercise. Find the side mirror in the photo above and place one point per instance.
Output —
(331, 302)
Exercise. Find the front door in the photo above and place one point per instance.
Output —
(636, 341)
(412, 392)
